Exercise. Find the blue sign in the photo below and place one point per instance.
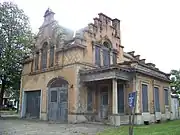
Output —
(131, 99)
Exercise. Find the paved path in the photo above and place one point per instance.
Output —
(31, 127)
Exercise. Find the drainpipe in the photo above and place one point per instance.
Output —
(154, 101)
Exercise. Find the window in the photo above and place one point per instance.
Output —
(97, 56)
(156, 99)
(36, 61)
(166, 101)
(89, 100)
(106, 53)
(114, 58)
(51, 62)
(106, 57)
(145, 98)
(44, 56)
(53, 96)
(120, 93)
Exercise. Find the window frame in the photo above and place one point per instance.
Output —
(166, 99)
(144, 110)
(51, 57)
(36, 63)
(89, 103)
(157, 106)
(98, 55)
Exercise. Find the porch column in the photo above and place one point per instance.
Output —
(115, 99)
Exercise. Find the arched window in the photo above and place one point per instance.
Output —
(44, 55)
(36, 61)
(51, 59)
(106, 53)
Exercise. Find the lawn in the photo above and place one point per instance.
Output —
(166, 128)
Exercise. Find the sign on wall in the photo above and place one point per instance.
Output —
(132, 106)
(131, 99)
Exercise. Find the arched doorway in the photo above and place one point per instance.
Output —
(58, 100)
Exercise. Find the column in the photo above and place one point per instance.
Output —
(115, 99)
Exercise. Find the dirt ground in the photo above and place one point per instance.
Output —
(32, 127)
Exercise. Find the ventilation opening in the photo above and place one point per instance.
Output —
(146, 122)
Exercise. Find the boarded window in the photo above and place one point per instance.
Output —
(97, 56)
(53, 96)
(156, 99)
(114, 58)
(106, 57)
(36, 61)
(145, 97)
(89, 100)
(166, 101)
(51, 62)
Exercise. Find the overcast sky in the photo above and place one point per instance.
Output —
(149, 27)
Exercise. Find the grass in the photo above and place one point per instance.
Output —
(166, 128)
(8, 112)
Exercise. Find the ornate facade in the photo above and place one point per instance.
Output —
(86, 76)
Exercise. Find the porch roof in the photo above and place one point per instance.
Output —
(112, 72)
(123, 71)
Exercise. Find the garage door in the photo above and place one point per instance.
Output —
(33, 104)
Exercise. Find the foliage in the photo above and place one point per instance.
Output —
(15, 43)
(167, 128)
(175, 80)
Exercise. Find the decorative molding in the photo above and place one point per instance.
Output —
(151, 72)
(109, 74)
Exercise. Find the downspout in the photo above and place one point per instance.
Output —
(154, 101)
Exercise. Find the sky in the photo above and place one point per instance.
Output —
(151, 28)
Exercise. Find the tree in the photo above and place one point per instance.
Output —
(15, 43)
(175, 81)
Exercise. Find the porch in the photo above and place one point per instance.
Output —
(106, 93)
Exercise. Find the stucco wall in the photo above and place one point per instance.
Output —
(40, 81)
(149, 81)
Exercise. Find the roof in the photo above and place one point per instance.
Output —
(127, 67)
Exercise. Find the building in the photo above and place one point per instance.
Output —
(86, 76)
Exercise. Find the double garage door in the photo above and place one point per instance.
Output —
(33, 104)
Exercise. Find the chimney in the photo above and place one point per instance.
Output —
(116, 25)
(137, 57)
(131, 53)
(143, 61)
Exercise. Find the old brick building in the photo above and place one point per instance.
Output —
(86, 76)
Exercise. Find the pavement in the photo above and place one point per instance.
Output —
(16, 126)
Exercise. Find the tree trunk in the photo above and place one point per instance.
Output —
(2, 93)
